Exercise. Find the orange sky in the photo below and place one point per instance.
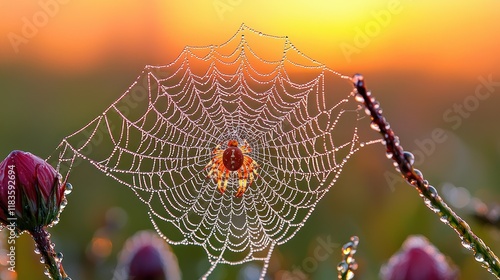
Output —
(436, 36)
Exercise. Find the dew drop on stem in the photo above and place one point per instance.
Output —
(342, 267)
(479, 257)
(466, 245)
(419, 173)
(432, 190)
(68, 189)
(409, 157)
(358, 97)
(374, 126)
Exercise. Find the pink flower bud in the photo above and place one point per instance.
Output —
(31, 192)
(418, 259)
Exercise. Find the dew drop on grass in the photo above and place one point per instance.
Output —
(388, 155)
(42, 259)
(479, 257)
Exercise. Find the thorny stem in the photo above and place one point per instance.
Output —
(52, 263)
(482, 253)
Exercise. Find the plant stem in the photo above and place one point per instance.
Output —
(348, 264)
(404, 165)
(52, 262)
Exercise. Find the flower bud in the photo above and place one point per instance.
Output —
(31, 192)
(147, 256)
(418, 259)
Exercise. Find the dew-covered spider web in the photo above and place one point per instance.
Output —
(297, 115)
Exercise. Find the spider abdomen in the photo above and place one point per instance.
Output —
(232, 158)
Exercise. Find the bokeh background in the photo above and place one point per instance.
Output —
(63, 62)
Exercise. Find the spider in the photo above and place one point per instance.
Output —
(232, 159)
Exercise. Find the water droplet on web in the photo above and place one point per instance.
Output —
(68, 189)
(362, 144)
(409, 157)
(375, 126)
(479, 257)
(260, 34)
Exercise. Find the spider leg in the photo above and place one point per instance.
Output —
(245, 148)
(242, 182)
(226, 178)
(220, 173)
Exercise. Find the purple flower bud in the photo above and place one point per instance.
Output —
(31, 192)
(147, 256)
(416, 260)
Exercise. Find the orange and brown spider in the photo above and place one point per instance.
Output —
(232, 159)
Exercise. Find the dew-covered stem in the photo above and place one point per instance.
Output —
(348, 265)
(403, 161)
(51, 260)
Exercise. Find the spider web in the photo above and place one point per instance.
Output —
(298, 116)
